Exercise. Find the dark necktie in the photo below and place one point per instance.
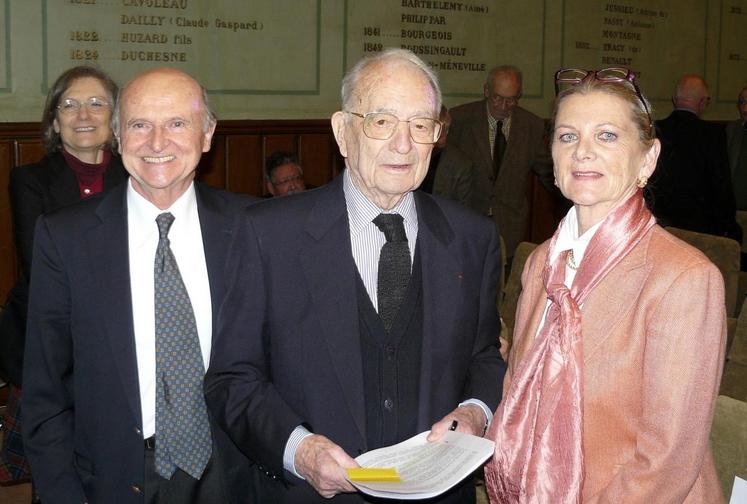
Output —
(499, 147)
(394, 267)
(182, 429)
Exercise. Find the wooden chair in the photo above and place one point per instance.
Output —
(742, 221)
(724, 253)
(513, 289)
(734, 380)
(729, 441)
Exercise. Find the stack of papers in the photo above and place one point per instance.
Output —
(424, 469)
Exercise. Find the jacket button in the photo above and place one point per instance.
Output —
(138, 431)
(388, 404)
(136, 488)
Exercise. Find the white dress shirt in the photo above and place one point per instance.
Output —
(366, 239)
(493, 125)
(568, 239)
(185, 237)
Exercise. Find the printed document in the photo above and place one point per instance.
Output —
(425, 469)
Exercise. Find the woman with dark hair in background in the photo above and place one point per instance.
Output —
(620, 327)
(80, 161)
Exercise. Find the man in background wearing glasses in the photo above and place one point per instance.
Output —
(360, 313)
(506, 143)
(691, 187)
(283, 174)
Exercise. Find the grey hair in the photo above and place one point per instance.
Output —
(209, 119)
(352, 80)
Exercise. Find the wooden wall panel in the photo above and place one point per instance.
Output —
(7, 250)
(244, 162)
(29, 151)
(235, 162)
(212, 167)
(316, 152)
(546, 212)
(274, 143)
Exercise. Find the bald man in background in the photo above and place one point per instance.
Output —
(691, 187)
(502, 169)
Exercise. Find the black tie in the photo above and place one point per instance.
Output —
(499, 147)
(394, 267)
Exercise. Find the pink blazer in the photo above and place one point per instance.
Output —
(654, 334)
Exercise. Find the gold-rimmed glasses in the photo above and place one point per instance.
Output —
(574, 76)
(381, 126)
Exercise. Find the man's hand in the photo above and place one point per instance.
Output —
(324, 465)
(470, 419)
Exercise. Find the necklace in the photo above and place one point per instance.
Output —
(569, 260)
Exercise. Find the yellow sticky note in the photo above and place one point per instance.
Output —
(381, 474)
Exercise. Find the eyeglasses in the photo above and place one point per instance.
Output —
(381, 126)
(574, 76)
(94, 105)
(287, 180)
(508, 101)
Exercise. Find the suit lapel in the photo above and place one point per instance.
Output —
(734, 129)
(442, 292)
(330, 274)
(479, 128)
(598, 316)
(215, 227)
(516, 141)
(623, 283)
(109, 264)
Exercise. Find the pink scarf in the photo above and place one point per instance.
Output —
(538, 428)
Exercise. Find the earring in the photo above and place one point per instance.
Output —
(642, 181)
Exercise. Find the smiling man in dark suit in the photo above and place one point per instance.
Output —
(124, 292)
(362, 312)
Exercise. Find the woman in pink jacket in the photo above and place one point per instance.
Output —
(620, 328)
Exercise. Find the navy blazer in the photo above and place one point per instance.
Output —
(81, 400)
(288, 348)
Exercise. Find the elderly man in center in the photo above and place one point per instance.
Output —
(370, 314)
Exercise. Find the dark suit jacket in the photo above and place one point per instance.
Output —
(691, 187)
(734, 135)
(288, 349)
(452, 176)
(35, 190)
(507, 198)
(81, 402)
